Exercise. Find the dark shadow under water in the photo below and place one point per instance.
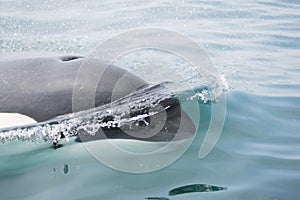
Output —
(193, 188)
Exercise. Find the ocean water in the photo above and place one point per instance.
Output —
(254, 45)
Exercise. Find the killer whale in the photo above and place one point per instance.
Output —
(42, 88)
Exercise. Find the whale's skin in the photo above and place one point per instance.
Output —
(42, 88)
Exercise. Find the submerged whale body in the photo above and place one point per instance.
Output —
(43, 89)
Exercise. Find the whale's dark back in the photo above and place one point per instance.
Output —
(42, 88)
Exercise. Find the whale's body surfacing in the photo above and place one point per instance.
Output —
(43, 88)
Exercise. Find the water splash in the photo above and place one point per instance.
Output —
(90, 121)
(129, 110)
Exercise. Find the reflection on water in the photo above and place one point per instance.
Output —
(190, 189)
(195, 188)
(157, 198)
(66, 168)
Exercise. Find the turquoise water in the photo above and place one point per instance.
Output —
(255, 45)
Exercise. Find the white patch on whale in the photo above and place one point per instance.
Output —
(14, 119)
